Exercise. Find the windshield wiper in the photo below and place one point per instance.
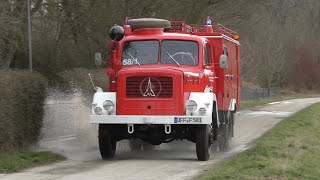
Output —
(136, 59)
(170, 56)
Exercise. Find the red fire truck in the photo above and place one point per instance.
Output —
(169, 81)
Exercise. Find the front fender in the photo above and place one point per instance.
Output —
(98, 100)
(203, 100)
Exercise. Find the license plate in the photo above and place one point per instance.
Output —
(186, 120)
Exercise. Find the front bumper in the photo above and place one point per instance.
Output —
(141, 119)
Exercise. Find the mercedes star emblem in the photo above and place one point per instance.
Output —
(150, 87)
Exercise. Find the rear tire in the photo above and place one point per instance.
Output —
(224, 131)
(203, 142)
(232, 114)
(107, 145)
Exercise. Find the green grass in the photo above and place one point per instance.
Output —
(291, 150)
(260, 102)
(22, 160)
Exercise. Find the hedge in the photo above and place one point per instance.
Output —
(22, 96)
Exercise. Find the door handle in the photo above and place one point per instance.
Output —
(212, 78)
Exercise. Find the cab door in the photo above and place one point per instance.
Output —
(208, 68)
(228, 77)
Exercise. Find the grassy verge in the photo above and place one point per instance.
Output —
(22, 160)
(260, 102)
(291, 150)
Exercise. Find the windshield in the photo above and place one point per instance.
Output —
(171, 52)
(179, 52)
(140, 52)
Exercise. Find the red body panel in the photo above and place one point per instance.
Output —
(150, 105)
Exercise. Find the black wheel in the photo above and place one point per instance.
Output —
(224, 131)
(148, 146)
(203, 142)
(135, 145)
(231, 125)
(107, 145)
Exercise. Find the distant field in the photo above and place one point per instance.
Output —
(291, 150)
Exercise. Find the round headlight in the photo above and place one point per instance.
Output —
(108, 105)
(191, 105)
(202, 111)
(98, 110)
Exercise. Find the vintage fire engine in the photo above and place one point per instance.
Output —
(169, 81)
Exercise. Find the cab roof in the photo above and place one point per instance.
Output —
(160, 34)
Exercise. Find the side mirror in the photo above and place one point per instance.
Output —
(224, 61)
(98, 59)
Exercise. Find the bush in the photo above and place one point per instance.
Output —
(77, 79)
(21, 109)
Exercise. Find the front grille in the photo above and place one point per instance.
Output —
(146, 87)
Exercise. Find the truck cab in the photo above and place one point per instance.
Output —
(169, 81)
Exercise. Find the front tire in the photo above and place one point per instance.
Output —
(203, 142)
(107, 145)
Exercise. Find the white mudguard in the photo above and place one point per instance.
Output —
(98, 100)
(232, 106)
(204, 100)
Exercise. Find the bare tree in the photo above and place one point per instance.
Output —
(67, 33)
(9, 34)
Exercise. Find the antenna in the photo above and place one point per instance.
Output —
(92, 82)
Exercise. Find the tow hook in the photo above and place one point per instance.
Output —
(167, 128)
(130, 128)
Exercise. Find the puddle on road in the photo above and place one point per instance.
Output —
(281, 102)
(66, 129)
(263, 113)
